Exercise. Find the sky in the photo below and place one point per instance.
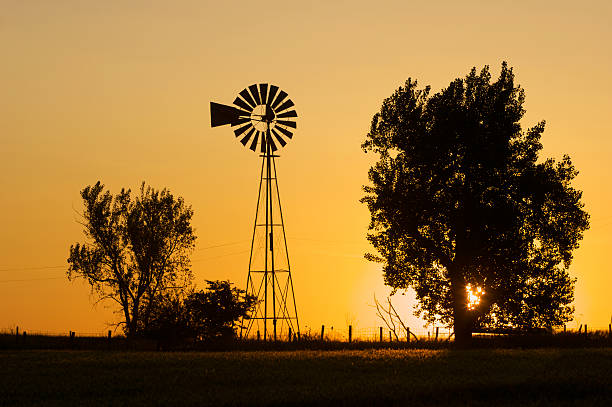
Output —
(119, 91)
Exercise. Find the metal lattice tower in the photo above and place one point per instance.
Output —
(264, 114)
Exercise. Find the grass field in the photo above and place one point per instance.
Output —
(349, 377)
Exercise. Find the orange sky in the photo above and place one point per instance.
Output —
(118, 91)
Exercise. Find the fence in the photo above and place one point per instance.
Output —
(384, 334)
(331, 333)
(375, 334)
(70, 334)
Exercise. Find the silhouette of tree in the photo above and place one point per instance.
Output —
(463, 211)
(137, 249)
(210, 315)
(214, 312)
(169, 322)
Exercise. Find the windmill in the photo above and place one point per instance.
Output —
(264, 118)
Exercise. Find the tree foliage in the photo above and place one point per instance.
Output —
(460, 196)
(137, 249)
(208, 315)
(215, 312)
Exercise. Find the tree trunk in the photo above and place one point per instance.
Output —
(462, 318)
(463, 328)
(128, 319)
(134, 320)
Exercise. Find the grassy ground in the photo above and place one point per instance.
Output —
(348, 377)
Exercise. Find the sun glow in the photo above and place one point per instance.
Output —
(474, 293)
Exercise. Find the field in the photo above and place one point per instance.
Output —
(408, 377)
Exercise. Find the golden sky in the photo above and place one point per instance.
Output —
(118, 91)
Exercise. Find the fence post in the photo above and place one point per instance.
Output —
(322, 332)
(564, 328)
(585, 330)
(580, 329)
(408, 334)
(350, 333)
(609, 330)
(17, 333)
(437, 332)
(289, 334)
(258, 335)
(25, 335)
(390, 338)
(109, 334)
(381, 338)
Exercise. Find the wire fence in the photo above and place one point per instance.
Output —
(437, 333)
(20, 331)
(375, 333)
(329, 333)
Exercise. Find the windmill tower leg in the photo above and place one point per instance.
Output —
(269, 277)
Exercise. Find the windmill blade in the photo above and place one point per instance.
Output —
(255, 93)
(290, 113)
(284, 131)
(263, 91)
(241, 103)
(281, 96)
(254, 143)
(246, 138)
(285, 105)
(222, 114)
(287, 123)
(247, 96)
(242, 129)
(273, 90)
(282, 142)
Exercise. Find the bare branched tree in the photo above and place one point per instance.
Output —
(389, 315)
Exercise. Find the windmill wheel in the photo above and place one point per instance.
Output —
(264, 115)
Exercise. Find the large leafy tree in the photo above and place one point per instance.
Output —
(137, 249)
(465, 212)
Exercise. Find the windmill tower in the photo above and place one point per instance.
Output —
(264, 119)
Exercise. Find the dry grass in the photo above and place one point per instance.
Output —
(310, 377)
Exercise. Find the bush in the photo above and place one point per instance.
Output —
(208, 315)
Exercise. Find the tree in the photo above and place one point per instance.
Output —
(169, 321)
(211, 314)
(137, 249)
(215, 312)
(465, 213)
